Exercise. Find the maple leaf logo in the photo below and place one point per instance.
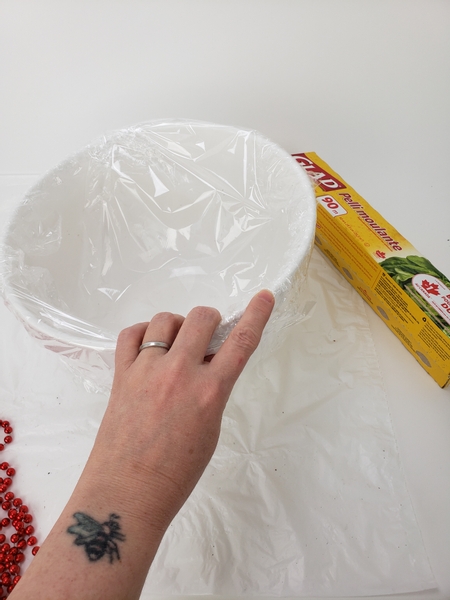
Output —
(431, 288)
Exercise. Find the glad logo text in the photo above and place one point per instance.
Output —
(323, 179)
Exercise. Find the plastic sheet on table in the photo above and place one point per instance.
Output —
(305, 494)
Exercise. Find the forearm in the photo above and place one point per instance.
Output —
(110, 564)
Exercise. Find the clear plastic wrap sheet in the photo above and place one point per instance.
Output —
(305, 495)
(163, 215)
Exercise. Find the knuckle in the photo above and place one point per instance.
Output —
(245, 338)
(205, 313)
(122, 337)
(125, 335)
(163, 317)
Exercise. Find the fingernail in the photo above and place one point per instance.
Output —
(267, 296)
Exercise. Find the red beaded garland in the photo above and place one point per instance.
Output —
(12, 554)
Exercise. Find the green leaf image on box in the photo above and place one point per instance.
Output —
(402, 270)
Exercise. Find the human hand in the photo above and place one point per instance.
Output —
(158, 434)
(163, 420)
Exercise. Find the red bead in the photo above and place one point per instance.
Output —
(24, 508)
(21, 544)
(16, 579)
(2, 538)
(7, 481)
(5, 424)
(8, 429)
(6, 505)
(35, 550)
(29, 530)
(10, 588)
(4, 466)
(2, 447)
(12, 514)
(3, 488)
(28, 518)
(8, 439)
(31, 541)
(17, 502)
(5, 578)
(5, 522)
(14, 538)
(19, 526)
(20, 557)
(6, 547)
(9, 496)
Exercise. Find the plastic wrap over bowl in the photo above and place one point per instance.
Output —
(162, 216)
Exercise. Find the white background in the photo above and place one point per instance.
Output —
(365, 84)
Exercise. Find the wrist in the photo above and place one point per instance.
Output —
(146, 498)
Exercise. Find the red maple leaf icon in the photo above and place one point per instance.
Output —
(431, 288)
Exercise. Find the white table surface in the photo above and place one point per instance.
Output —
(365, 84)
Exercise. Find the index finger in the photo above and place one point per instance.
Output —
(244, 339)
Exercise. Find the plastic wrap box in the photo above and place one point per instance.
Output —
(401, 285)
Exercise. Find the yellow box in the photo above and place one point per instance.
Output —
(401, 285)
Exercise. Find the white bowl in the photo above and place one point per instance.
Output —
(162, 216)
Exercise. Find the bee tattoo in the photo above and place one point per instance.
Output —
(97, 538)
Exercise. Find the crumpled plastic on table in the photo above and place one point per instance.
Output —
(305, 495)
(160, 216)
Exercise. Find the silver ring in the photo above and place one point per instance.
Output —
(154, 345)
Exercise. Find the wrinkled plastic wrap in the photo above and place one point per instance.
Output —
(162, 216)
